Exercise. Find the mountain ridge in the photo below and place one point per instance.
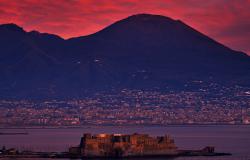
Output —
(142, 51)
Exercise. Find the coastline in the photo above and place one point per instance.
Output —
(63, 155)
(139, 126)
(227, 138)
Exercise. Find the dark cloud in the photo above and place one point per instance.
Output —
(227, 21)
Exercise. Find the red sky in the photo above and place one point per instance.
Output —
(227, 21)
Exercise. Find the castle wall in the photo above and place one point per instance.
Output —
(125, 145)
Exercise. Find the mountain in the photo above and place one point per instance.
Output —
(140, 52)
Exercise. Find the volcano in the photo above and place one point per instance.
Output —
(142, 51)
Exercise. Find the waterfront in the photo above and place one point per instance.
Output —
(226, 138)
(219, 105)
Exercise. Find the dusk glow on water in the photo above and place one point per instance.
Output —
(225, 138)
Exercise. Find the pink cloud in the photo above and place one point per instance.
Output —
(225, 21)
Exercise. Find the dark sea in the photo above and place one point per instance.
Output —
(233, 139)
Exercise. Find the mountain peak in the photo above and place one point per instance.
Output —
(149, 18)
(146, 16)
(12, 27)
(141, 25)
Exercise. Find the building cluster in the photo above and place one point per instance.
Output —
(132, 107)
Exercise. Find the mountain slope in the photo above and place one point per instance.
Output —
(161, 48)
(142, 51)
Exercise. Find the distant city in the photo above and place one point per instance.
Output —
(208, 105)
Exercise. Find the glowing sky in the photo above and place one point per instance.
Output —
(227, 21)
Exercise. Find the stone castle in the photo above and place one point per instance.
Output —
(122, 145)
